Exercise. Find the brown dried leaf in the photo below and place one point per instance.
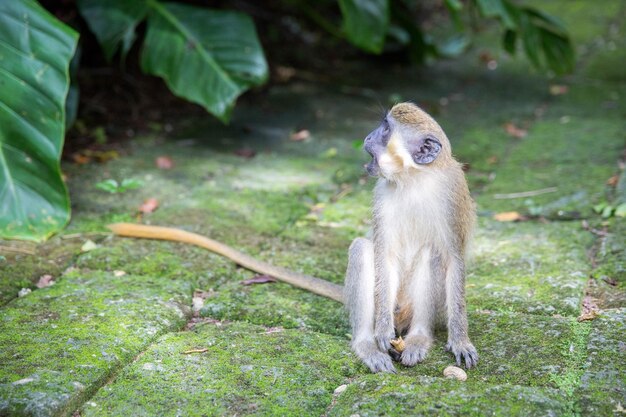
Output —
(590, 309)
(80, 159)
(45, 281)
(612, 182)
(588, 316)
(149, 205)
(515, 131)
(258, 279)
(300, 135)
(558, 89)
(508, 216)
(245, 153)
(284, 74)
(164, 162)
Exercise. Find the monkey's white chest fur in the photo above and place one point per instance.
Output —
(413, 217)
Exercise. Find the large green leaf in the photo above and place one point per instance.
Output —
(365, 22)
(113, 22)
(35, 52)
(206, 56)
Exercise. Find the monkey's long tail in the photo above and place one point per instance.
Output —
(313, 284)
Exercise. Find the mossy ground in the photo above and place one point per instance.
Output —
(107, 338)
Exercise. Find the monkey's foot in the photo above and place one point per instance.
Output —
(415, 349)
(376, 360)
(463, 351)
(379, 362)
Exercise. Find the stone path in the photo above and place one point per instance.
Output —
(110, 336)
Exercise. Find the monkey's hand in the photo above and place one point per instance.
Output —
(463, 351)
(384, 334)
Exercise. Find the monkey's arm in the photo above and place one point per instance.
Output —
(313, 284)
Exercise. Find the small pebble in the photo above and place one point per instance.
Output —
(340, 389)
(24, 292)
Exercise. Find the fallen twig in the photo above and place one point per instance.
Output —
(17, 250)
(525, 193)
(187, 352)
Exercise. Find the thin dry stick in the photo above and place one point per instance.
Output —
(525, 193)
(17, 250)
(187, 352)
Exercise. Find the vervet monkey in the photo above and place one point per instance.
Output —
(411, 274)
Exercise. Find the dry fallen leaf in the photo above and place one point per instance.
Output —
(515, 131)
(612, 181)
(45, 281)
(284, 74)
(258, 279)
(164, 162)
(590, 309)
(508, 216)
(149, 205)
(300, 135)
(245, 153)
(588, 315)
(88, 246)
(558, 90)
(119, 273)
(80, 159)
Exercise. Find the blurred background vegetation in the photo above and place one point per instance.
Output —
(99, 60)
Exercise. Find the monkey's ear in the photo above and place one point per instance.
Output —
(425, 151)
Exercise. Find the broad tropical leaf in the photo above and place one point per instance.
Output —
(113, 22)
(206, 56)
(36, 50)
(366, 22)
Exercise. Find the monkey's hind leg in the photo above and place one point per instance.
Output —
(359, 299)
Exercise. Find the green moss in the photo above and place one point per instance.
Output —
(23, 269)
(245, 370)
(548, 158)
(603, 383)
(528, 267)
(60, 343)
(376, 395)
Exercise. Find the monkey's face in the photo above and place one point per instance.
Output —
(402, 142)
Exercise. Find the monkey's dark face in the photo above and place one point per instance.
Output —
(375, 144)
(397, 147)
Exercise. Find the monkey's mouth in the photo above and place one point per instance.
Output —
(372, 168)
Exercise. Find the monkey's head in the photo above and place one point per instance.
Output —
(408, 140)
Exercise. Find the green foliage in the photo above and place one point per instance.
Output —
(113, 22)
(205, 56)
(545, 40)
(365, 23)
(113, 187)
(607, 210)
(35, 51)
